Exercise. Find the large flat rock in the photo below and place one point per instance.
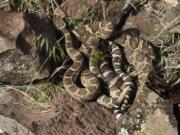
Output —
(17, 68)
(12, 127)
(11, 25)
(149, 115)
(71, 117)
(79, 118)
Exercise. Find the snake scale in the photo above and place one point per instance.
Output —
(120, 85)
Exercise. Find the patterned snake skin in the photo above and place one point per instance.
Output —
(120, 85)
(140, 54)
(89, 81)
(116, 55)
(118, 95)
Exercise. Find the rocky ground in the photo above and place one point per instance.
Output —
(29, 104)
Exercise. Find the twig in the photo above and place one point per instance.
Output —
(37, 73)
(104, 10)
(61, 67)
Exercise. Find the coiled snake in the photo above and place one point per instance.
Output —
(120, 85)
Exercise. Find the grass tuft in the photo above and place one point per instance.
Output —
(168, 60)
(55, 51)
(42, 96)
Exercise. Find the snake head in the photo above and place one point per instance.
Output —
(90, 45)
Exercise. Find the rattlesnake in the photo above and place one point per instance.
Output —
(89, 80)
(118, 94)
(121, 87)
(140, 54)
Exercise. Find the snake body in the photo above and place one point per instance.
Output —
(129, 89)
(139, 54)
(120, 85)
(89, 81)
(118, 88)
(88, 36)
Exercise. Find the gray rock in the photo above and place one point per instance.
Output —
(11, 24)
(158, 123)
(149, 115)
(12, 127)
(71, 117)
(94, 10)
(17, 68)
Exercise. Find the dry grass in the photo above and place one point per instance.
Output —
(168, 60)
(38, 97)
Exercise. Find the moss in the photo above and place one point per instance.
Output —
(97, 55)
(74, 23)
